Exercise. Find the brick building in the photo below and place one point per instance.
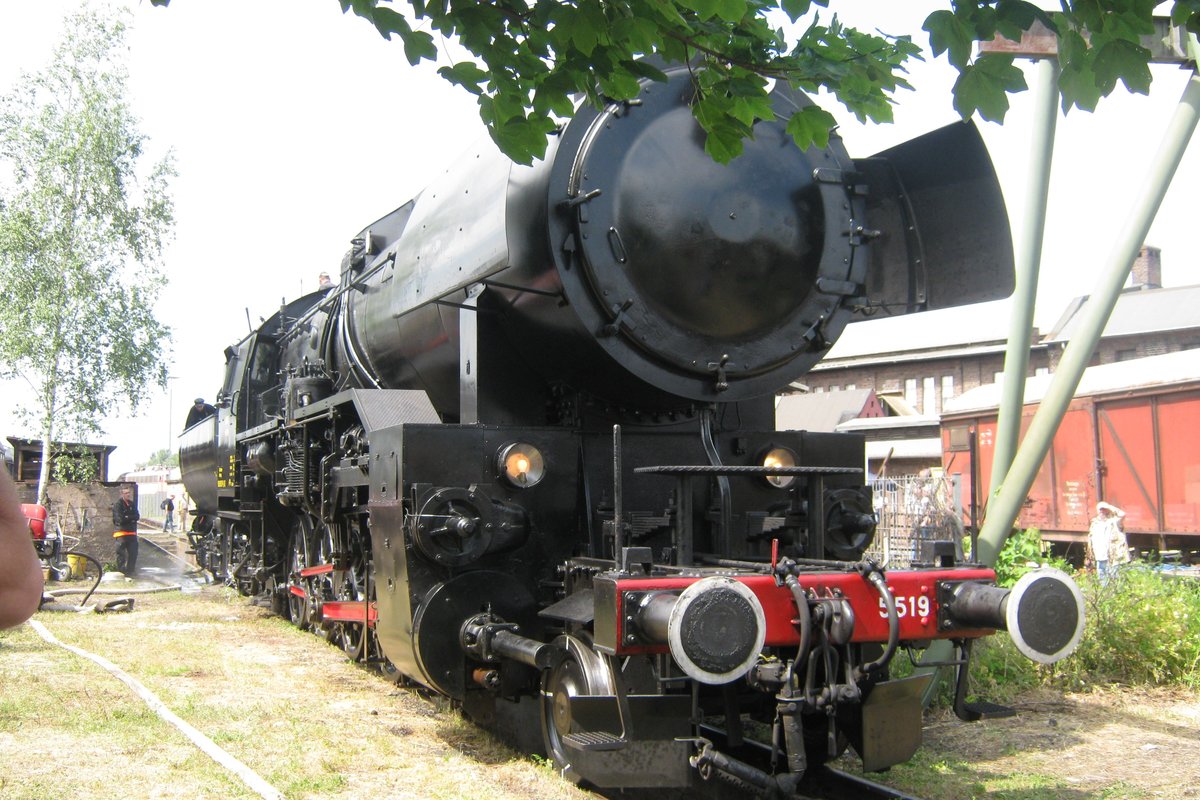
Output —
(929, 358)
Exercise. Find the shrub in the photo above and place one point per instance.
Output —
(1143, 628)
(1023, 552)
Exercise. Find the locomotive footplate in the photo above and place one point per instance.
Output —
(652, 753)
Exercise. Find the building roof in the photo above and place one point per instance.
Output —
(928, 447)
(982, 329)
(821, 411)
(32, 444)
(1136, 313)
(982, 324)
(1170, 369)
(868, 424)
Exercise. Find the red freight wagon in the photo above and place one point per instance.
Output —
(1131, 436)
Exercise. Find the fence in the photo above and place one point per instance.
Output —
(150, 506)
(913, 513)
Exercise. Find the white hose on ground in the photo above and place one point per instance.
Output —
(248, 776)
(155, 590)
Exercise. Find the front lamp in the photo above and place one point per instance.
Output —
(521, 464)
(779, 457)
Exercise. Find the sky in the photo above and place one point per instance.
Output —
(294, 127)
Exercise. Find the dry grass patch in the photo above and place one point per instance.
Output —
(1110, 744)
(282, 701)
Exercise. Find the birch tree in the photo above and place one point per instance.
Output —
(82, 227)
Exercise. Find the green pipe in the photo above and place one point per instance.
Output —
(1007, 502)
(1029, 260)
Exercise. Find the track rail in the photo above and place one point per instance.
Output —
(827, 783)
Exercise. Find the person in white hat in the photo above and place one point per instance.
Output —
(1106, 540)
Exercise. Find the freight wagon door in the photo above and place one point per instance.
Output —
(1178, 423)
(1129, 469)
(1068, 476)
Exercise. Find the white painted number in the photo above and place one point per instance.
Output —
(907, 605)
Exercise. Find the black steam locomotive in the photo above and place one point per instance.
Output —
(525, 451)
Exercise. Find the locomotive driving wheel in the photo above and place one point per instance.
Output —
(235, 551)
(581, 673)
(323, 585)
(350, 585)
(298, 604)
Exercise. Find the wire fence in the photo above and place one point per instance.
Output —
(150, 507)
(915, 512)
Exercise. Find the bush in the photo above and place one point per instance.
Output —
(1143, 629)
(1025, 551)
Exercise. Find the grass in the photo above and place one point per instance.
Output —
(933, 776)
(282, 701)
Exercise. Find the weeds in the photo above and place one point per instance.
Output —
(1142, 629)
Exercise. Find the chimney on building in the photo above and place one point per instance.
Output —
(1147, 269)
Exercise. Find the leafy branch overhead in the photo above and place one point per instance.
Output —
(530, 59)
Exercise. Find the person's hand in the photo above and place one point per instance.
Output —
(21, 580)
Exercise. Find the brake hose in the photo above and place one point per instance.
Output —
(871, 571)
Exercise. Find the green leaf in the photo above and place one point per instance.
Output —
(984, 87)
(810, 127)
(949, 33)
(795, 9)
(731, 10)
(723, 146)
(1014, 17)
(388, 22)
(748, 110)
(645, 69)
(574, 28)
(638, 34)
(1078, 88)
(522, 139)
(620, 85)
(465, 74)
(1124, 61)
(419, 45)
(705, 9)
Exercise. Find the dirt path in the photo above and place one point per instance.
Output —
(1112, 743)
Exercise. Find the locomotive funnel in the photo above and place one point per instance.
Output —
(1043, 612)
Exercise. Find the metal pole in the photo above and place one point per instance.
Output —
(1029, 259)
(1005, 505)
